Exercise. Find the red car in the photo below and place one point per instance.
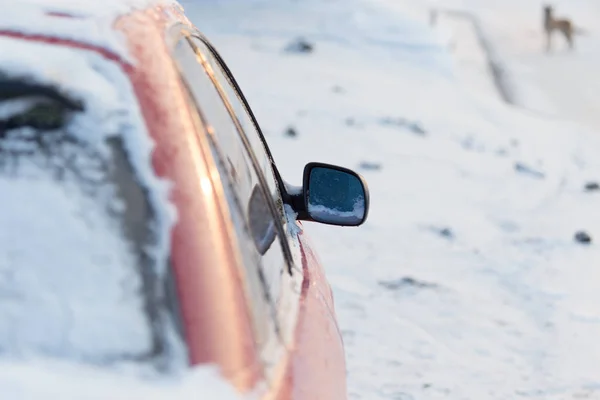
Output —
(145, 221)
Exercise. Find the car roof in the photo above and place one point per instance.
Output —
(83, 21)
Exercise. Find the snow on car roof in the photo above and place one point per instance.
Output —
(87, 21)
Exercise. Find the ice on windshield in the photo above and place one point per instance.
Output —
(84, 223)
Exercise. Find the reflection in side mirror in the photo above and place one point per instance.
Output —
(335, 195)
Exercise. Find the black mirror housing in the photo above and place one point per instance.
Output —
(332, 195)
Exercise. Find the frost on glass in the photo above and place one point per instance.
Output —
(78, 231)
(335, 197)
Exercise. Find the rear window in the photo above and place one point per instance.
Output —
(82, 276)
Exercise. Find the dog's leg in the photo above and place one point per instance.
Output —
(548, 40)
(569, 37)
(433, 17)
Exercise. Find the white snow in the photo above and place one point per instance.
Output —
(43, 379)
(89, 21)
(75, 303)
(70, 283)
(73, 315)
(324, 213)
(465, 282)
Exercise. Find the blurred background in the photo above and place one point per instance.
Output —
(477, 273)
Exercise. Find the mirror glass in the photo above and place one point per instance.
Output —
(335, 197)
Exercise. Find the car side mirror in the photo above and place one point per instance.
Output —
(333, 195)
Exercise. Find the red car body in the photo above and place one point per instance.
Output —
(214, 301)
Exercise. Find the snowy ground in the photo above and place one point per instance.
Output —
(466, 282)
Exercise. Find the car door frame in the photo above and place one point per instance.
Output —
(176, 34)
(292, 279)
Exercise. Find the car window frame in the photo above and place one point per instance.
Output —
(246, 120)
(183, 31)
(262, 309)
(229, 75)
(271, 351)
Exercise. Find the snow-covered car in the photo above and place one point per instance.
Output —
(145, 227)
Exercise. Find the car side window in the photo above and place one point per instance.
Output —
(255, 217)
(226, 81)
(261, 306)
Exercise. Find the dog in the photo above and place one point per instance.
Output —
(563, 25)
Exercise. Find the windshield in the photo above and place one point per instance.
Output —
(78, 260)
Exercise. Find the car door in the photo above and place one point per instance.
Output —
(286, 305)
(254, 201)
(316, 362)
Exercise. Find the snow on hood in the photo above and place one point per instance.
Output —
(91, 22)
(84, 220)
(42, 380)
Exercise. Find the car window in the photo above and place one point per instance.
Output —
(76, 276)
(227, 82)
(251, 206)
(262, 307)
